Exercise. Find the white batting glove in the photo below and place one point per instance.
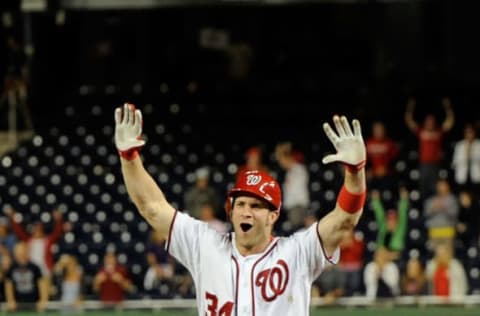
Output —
(349, 145)
(128, 131)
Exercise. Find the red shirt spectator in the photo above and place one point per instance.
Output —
(381, 151)
(352, 249)
(430, 145)
(112, 281)
(253, 161)
(441, 281)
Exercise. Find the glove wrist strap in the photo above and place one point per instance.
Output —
(129, 154)
(355, 168)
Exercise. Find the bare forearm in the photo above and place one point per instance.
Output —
(141, 188)
(9, 291)
(339, 222)
(42, 287)
(147, 196)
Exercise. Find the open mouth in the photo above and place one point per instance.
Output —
(245, 227)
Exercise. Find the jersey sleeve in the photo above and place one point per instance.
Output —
(184, 240)
(311, 253)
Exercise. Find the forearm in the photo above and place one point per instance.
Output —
(141, 188)
(42, 287)
(335, 225)
(9, 296)
(147, 196)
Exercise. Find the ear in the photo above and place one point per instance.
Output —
(273, 216)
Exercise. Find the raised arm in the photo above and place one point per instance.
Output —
(409, 120)
(449, 115)
(142, 189)
(351, 199)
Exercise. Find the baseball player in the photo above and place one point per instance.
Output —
(248, 271)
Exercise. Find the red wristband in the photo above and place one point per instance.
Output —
(355, 168)
(129, 154)
(351, 202)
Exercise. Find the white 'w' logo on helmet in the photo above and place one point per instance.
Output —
(253, 179)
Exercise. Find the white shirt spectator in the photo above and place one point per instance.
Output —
(295, 187)
(466, 161)
(389, 274)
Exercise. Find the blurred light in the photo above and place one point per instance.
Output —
(125, 237)
(192, 158)
(82, 249)
(94, 189)
(217, 177)
(73, 217)
(69, 238)
(40, 190)
(23, 199)
(101, 216)
(106, 198)
(48, 151)
(102, 150)
(128, 216)
(177, 188)
(90, 140)
(3, 180)
(174, 108)
(329, 195)
(6, 162)
(90, 208)
(315, 186)
(163, 178)
(96, 110)
(78, 198)
(93, 258)
(109, 179)
(17, 171)
(55, 179)
(45, 217)
(51, 198)
(32, 161)
(159, 129)
(314, 167)
(163, 88)
(13, 190)
(37, 141)
(67, 190)
(63, 140)
(232, 168)
(35, 208)
(328, 175)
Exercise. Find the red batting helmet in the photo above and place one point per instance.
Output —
(258, 184)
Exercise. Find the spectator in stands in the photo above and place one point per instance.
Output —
(24, 286)
(330, 284)
(7, 239)
(468, 225)
(414, 281)
(381, 152)
(441, 213)
(466, 161)
(39, 242)
(381, 276)
(207, 214)
(446, 274)
(70, 273)
(200, 194)
(296, 197)
(392, 225)
(430, 138)
(161, 268)
(159, 278)
(5, 264)
(253, 161)
(112, 282)
(351, 262)
(156, 245)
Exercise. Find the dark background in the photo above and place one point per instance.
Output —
(309, 61)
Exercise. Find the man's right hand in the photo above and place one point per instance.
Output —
(128, 131)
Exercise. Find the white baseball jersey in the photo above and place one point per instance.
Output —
(275, 282)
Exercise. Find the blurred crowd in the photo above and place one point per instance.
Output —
(32, 273)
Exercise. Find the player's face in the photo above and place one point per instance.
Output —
(252, 221)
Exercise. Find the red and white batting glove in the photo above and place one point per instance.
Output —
(349, 145)
(128, 131)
